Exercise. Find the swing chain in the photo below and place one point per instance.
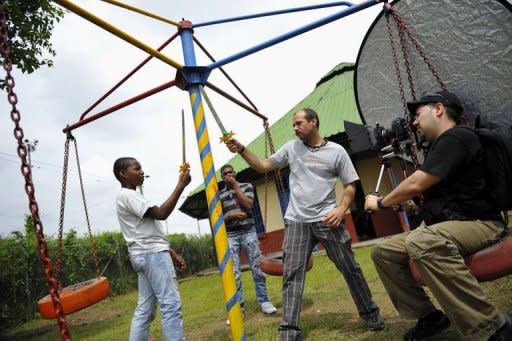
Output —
(91, 239)
(400, 21)
(400, 29)
(62, 205)
(277, 173)
(412, 151)
(27, 173)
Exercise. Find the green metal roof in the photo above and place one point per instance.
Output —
(333, 99)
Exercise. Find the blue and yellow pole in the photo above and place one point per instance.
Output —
(212, 190)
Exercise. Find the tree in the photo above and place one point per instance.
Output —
(30, 24)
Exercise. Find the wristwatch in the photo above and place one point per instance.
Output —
(379, 203)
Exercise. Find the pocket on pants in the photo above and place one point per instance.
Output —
(138, 263)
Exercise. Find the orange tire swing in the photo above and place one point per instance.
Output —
(81, 295)
(274, 266)
(76, 297)
(487, 264)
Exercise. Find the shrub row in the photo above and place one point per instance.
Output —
(22, 282)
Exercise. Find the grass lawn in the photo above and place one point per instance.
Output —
(328, 312)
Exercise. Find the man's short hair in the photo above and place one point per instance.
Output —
(450, 101)
(227, 165)
(121, 164)
(310, 115)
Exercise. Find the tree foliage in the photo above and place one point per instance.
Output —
(29, 25)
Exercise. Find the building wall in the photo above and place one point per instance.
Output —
(275, 220)
(369, 169)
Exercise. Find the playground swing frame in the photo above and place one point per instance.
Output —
(189, 78)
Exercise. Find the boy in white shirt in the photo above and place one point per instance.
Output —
(150, 252)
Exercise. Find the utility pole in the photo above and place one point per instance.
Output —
(31, 147)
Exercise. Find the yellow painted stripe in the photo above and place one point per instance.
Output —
(220, 238)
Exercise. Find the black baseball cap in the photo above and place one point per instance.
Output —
(447, 98)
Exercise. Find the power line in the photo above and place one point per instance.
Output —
(42, 163)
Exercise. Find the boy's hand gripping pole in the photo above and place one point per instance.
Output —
(225, 135)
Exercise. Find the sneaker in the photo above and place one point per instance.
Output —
(268, 308)
(429, 325)
(375, 323)
(505, 332)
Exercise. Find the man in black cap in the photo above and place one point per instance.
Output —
(458, 220)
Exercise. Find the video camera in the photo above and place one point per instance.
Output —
(364, 138)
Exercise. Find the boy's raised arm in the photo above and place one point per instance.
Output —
(163, 211)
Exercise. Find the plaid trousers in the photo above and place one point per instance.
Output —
(298, 241)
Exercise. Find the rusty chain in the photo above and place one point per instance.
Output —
(398, 18)
(400, 21)
(62, 205)
(266, 187)
(277, 173)
(91, 239)
(412, 151)
(399, 26)
(27, 174)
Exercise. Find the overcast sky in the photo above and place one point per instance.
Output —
(90, 61)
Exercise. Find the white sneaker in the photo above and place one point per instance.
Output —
(268, 308)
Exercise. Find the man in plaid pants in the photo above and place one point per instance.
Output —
(313, 215)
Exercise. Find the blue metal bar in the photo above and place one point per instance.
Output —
(266, 14)
(291, 34)
(188, 47)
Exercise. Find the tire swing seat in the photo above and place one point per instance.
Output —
(76, 297)
(274, 265)
(487, 264)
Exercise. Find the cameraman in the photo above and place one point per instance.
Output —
(458, 220)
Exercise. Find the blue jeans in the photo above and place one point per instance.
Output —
(249, 242)
(157, 282)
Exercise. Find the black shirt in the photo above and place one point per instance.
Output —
(456, 158)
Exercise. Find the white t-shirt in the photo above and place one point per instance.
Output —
(313, 178)
(142, 235)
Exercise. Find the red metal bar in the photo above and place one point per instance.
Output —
(234, 100)
(119, 106)
(225, 74)
(131, 73)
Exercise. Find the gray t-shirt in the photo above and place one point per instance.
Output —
(313, 176)
(143, 235)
